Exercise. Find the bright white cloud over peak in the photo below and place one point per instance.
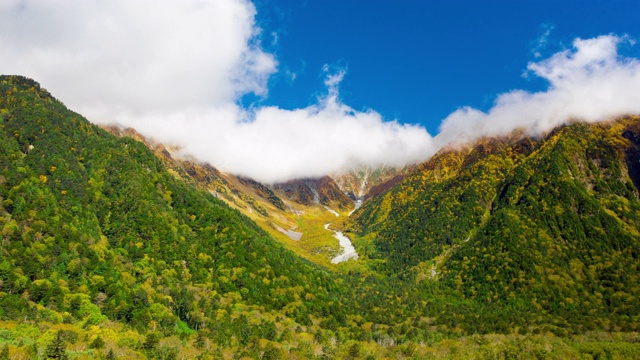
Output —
(275, 145)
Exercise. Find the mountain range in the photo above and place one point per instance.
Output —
(116, 246)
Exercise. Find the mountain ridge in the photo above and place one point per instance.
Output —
(502, 219)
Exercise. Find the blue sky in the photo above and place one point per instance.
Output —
(418, 61)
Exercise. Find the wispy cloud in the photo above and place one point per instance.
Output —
(543, 40)
(333, 78)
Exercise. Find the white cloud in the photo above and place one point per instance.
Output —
(333, 79)
(590, 83)
(175, 70)
(136, 55)
(276, 145)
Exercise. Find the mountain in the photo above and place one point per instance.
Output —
(97, 228)
(117, 247)
(336, 193)
(322, 191)
(548, 225)
(293, 213)
(239, 192)
(363, 183)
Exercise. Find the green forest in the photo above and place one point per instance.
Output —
(510, 248)
(544, 229)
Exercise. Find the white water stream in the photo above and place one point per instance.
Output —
(348, 251)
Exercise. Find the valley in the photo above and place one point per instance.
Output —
(295, 213)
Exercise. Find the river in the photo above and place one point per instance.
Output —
(348, 251)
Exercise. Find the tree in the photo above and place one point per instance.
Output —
(57, 349)
(97, 343)
(150, 342)
(354, 350)
(33, 349)
(272, 353)
(4, 354)
(111, 355)
(200, 340)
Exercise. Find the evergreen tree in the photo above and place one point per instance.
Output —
(354, 350)
(34, 350)
(272, 353)
(199, 340)
(4, 354)
(150, 342)
(97, 343)
(57, 349)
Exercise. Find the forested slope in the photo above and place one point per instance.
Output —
(94, 227)
(107, 253)
(547, 226)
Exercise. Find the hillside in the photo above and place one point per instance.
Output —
(95, 227)
(546, 225)
(114, 248)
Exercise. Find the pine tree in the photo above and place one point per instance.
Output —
(97, 343)
(57, 349)
(200, 340)
(354, 350)
(150, 342)
(33, 349)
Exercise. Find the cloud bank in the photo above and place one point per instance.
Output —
(590, 83)
(176, 70)
(277, 145)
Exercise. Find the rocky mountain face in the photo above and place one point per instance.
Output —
(363, 183)
(322, 191)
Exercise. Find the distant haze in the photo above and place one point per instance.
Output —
(176, 73)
